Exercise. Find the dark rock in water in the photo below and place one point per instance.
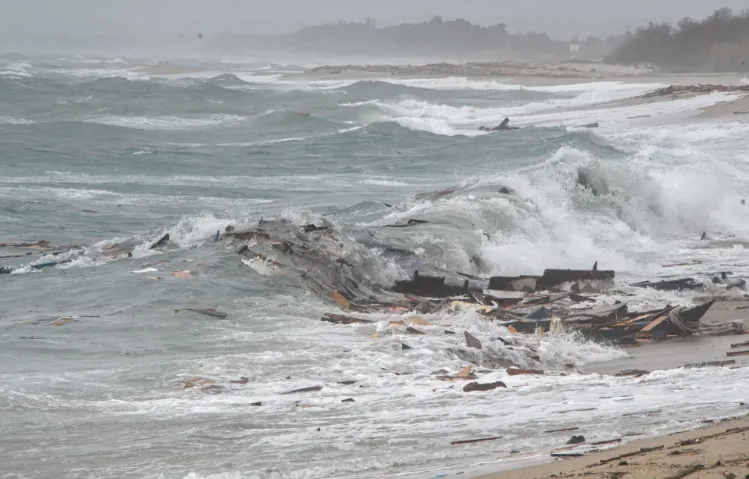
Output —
(473, 387)
(348, 400)
(576, 440)
(471, 341)
(256, 404)
(305, 390)
(447, 331)
(591, 125)
(704, 236)
(413, 330)
(405, 346)
(347, 382)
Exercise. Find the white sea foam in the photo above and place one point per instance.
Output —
(450, 120)
(15, 121)
(592, 87)
(169, 122)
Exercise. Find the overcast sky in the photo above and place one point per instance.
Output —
(168, 17)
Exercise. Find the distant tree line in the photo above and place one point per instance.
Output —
(436, 37)
(720, 42)
(439, 36)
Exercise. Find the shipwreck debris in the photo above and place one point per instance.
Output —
(473, 441)
(472, 387)
(471, 341)
(310, 389)
(519, 372)
(464, 374)
(208, 312)
(160, 242)
(341, 319)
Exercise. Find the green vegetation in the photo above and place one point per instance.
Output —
(720, 42)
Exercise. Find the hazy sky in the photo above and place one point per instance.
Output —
(168, 17)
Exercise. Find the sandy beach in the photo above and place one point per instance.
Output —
(716, 451)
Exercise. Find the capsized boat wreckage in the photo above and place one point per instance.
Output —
(340, 271)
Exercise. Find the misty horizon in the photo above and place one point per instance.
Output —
(38, 19)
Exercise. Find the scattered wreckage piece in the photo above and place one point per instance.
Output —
(550, 279)
(720, 364)
(208, 312)
(465, 374)
(686, 284)
(504, 126)
(433, 287)
(519, 372)
(671, 284)
(333, 267)
(483, 387)
(473, 441)
(341, 319)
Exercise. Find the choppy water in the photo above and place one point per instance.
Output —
(94, 151)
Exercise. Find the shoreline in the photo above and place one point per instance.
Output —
(524, 73)
(715, 450)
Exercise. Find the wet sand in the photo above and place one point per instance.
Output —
(739, 109)
(716, 451)
(673, 353)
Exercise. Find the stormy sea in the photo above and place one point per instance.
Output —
(108, 372)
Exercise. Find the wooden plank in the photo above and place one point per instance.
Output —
(654, 324)
(473, 441)
(641, 317)
(737, 353)
(738, 345)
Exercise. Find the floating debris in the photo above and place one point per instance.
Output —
(473, 441)
(305, 390)
(182, 274)
(471, 387)
(208, 312)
